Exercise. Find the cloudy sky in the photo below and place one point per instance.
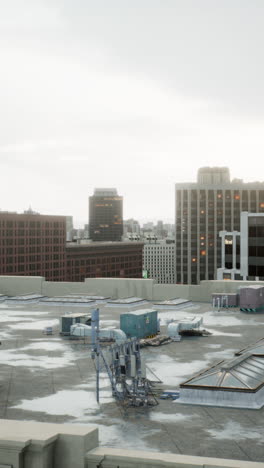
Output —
(132, 94)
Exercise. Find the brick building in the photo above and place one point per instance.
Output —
(104, 259)
(33, 245)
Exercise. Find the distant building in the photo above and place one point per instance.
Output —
(105, 215)
(159, 261)
(203, 209)
(104, 260)
(32, 245)
(243, 252)
(169, 230)
(160, 230)
(148, 226)
(131, 226)
(69, 228)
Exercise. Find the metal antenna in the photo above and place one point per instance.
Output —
(125, 368)
(96, 347)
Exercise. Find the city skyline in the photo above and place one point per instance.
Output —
(136, 97)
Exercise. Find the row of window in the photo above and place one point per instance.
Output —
(32, 241)
(34, 269)
(31, 224)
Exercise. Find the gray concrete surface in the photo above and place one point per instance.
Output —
(50, 379)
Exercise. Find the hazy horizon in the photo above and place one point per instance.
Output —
(135, 96)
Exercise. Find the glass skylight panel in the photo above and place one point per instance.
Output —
(256, 370)
(249, 373)
(207, 380)
(230, 380)
(250, 381)
(258, 361)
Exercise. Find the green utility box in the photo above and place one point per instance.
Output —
(139, 323)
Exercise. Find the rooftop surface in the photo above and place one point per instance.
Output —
(52, 379)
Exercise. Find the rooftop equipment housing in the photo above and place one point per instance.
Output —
(225, 299)
(71, 319)
(252, 298)
(186, 324)
(139, 323)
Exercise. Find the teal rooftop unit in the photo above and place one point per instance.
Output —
(139, 323)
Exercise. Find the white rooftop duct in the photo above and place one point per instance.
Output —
(80, 329)
(187, 323)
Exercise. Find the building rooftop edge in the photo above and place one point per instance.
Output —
(102, 244)
(33, 215)
(243, 185)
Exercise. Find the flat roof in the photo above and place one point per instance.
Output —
(101, 192)
(52, 379)
(91, 245)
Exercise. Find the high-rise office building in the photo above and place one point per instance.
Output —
(243, 252)
(105, 215)
(203, 209)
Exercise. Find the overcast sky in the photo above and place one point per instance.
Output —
(132, 94)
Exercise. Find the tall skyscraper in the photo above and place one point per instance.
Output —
(105, 215)
(203, 209)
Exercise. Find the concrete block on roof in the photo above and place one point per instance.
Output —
(16, 285)
(12, 451)
(45, 445)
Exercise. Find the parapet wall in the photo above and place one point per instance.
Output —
(116, 458)
(26, 444)
(17, 285)
(119, 288)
